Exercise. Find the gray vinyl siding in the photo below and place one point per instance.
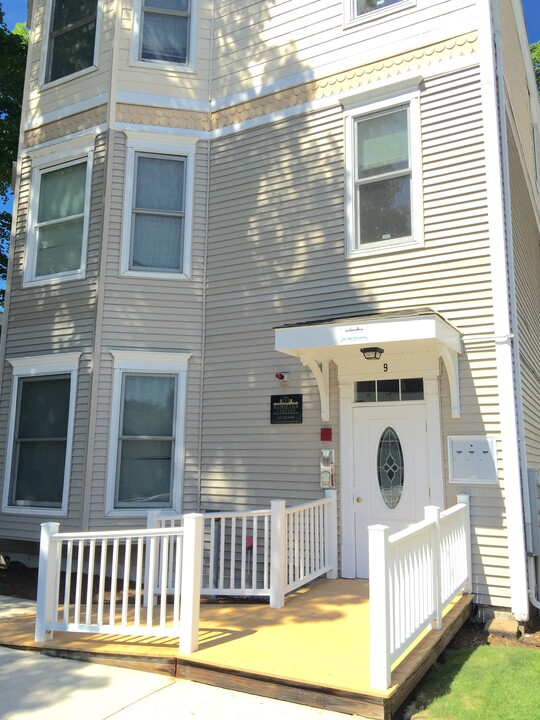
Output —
(53, 319)
(526, 235)
(258, 43)
(276, 256)
(149, 314)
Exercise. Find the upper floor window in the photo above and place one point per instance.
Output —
(158, 202)
(58, 218)
(384, 186)
(164, 32)
(72, 38)
(38, 458)
(356, 11)
(365, 6)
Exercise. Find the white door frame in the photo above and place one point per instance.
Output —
(425, 366)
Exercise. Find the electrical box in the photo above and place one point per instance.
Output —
(327, 468)
(472, 459)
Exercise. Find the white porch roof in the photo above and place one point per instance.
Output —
(420, 330)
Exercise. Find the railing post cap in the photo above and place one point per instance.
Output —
(378, 528)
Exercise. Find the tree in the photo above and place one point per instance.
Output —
(535, 54)
(13, 47)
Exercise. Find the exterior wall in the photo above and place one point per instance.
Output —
(148, 314)
(53, 318)
(264, 43)
(85, 88)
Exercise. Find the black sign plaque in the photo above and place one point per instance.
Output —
(285, 409)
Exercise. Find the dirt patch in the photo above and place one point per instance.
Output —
(472, 634)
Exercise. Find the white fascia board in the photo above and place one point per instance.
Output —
(44, 364)
(359, 333)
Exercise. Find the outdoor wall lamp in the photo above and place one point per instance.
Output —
(372, 353)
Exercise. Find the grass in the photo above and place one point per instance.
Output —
(486, 683)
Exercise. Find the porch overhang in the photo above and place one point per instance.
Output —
(315, 344)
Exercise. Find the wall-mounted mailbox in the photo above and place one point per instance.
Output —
(472, 459)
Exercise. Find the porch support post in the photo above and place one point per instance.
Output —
(465, 500)
(379, 608)
(191, 582)
(331, 539)
(433, 514)
(278, 553)
(47, 574)
(148, 592)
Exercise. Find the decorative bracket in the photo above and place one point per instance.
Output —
(321, 372)
(450, 359)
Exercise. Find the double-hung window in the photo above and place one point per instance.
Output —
(38, 458)
(72, 38)
(383, 176)
(157, 215)
(164, 32)
(146, 454)
(58, 218)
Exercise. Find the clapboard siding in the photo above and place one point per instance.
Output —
(260, 43)
(149, 314)
(54, 319)
(526, 234)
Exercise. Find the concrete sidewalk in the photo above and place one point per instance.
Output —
(44, 688)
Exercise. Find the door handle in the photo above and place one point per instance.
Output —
(359, 500)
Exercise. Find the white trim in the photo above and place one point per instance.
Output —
(49, 164)
(41, 366)
(43, 83)
(65, 111)
(357, 105)
(171, 102)
(135, 43)
(504, 302)
(185, 134)
(147, 362)
(47, 148)
(351, 19)
(344, 65)
(171, 145)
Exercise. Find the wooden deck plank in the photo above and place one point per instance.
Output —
(314, 651)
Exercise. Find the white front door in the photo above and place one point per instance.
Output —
(391, 474)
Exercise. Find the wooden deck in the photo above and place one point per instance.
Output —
(314, 651)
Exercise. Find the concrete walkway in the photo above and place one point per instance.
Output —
(37, 687)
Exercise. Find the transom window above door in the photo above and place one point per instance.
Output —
(396, 390)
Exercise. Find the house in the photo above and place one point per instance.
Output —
(260, 249)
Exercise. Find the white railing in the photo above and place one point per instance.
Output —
(413, 575)
(266, 553)
(106, 573)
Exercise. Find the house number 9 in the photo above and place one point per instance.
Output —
(385, 367)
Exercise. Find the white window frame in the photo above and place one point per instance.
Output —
(352, 19)
(43, 82)
(46, 160)
(357, 106)
(166, 145)
(152, 363)
(136, 41)
(42, 366)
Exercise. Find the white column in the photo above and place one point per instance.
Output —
(465, 500)
(331, 539)
(433, 514)
(379, 608)
(46, 600)
(278, 553)
(191, 582)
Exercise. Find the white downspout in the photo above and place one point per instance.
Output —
(504, 304)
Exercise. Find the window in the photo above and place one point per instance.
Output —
(72, 38)
(157, 214)
(164, 32)
(365, 10)
(40, 433)
(58, 217)
(408, 389)
(384, 188)
(146, 454)
(157, 228)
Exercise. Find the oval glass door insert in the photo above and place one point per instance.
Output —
(390, 470)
